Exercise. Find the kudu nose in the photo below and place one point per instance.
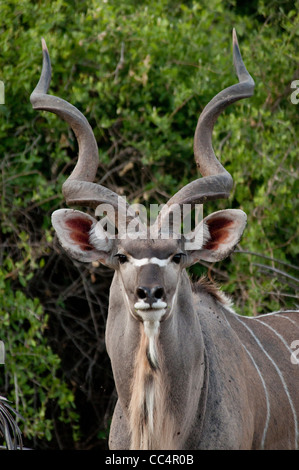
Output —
(150, 295)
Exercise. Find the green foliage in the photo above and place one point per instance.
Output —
(143, 109)
(32, 368)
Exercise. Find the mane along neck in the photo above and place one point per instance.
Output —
(152, 424)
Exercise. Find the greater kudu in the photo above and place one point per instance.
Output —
(189, 372)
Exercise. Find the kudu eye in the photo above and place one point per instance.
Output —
(177, 258)
(121, 258)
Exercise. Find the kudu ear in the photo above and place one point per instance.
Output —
(82, 237)
(217, 234)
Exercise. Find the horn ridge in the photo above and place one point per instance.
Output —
(216, 181)
(79, 188)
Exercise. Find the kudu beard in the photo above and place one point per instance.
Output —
(182, 222)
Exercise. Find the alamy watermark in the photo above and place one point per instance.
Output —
(2, 93)
(295, 94)
(136, 222)
(2, 353)
(295, 354)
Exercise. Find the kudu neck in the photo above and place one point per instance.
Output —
(180, 360)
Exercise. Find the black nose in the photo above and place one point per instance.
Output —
(150, 295)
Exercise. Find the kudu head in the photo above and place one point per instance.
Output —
(149, 264)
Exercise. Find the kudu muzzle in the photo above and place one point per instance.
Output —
(150, 296)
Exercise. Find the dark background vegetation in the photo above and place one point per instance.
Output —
(141, 71)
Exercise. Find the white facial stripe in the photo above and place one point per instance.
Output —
(143, 261)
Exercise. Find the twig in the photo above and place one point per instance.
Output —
(260, 255)
(181, 105)
(121, 62)
(277, 271)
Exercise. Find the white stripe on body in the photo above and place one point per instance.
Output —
(278, 372)
(262, 380)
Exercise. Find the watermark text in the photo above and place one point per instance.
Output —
(2, 353)
(136, 222)
(2, 93)
(295, 94)
(295, 354)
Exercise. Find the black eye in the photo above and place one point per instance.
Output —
(177, 258)
(121, 258)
